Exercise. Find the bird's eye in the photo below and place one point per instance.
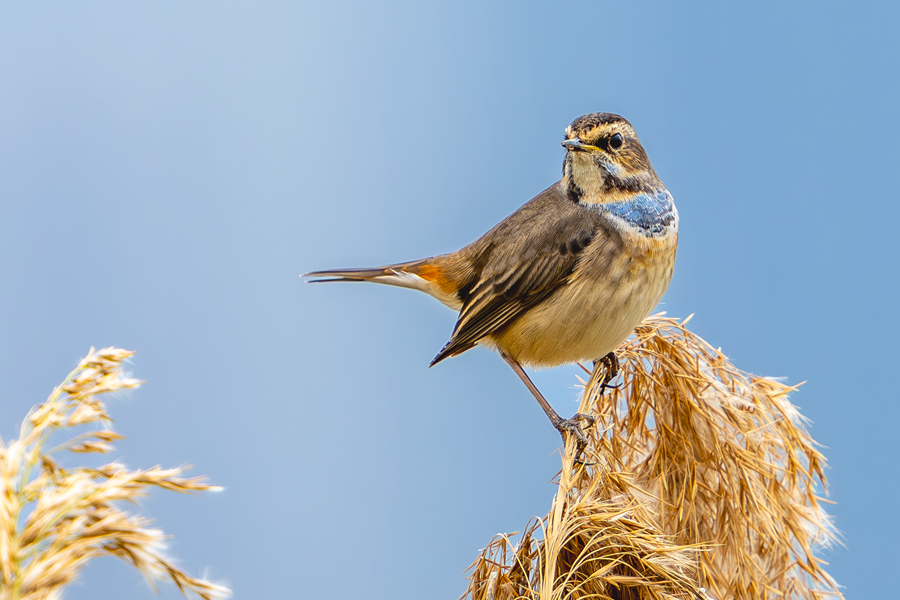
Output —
(615, 142)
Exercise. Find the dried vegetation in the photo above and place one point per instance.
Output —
(75, 514)
(701, 482)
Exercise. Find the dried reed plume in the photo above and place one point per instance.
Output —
(74, 515)
(701, 482)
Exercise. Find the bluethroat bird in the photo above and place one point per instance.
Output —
(568, 276)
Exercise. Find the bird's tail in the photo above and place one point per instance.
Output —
(425, 275)
(390, 274)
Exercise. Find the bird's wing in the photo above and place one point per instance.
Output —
(527, 257)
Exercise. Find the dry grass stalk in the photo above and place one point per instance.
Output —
(701, 477)
(74, 516)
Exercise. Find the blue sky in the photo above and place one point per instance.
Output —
(168, 169)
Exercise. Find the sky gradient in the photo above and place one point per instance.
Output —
(167, 170)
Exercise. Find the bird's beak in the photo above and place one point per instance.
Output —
(575, 145)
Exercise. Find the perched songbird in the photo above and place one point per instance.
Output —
(568, 276)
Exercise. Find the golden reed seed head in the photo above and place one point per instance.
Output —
(697, 477)
(75, 513)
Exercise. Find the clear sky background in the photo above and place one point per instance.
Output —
(168, 169)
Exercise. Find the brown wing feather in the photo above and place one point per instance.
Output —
(525, 259)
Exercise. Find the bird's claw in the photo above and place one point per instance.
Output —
(611, 363)
(574, 427)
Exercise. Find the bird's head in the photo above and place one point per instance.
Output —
(605, 161)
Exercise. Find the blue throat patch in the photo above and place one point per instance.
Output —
(651, 213)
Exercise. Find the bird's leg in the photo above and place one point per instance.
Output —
(561, 425)
(611, 363)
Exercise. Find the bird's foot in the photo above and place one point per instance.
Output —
(610, 362)
(573, 426)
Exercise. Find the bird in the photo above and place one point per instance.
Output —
(565, 278)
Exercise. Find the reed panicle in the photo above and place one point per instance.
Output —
(73, 515)
(699, 481)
